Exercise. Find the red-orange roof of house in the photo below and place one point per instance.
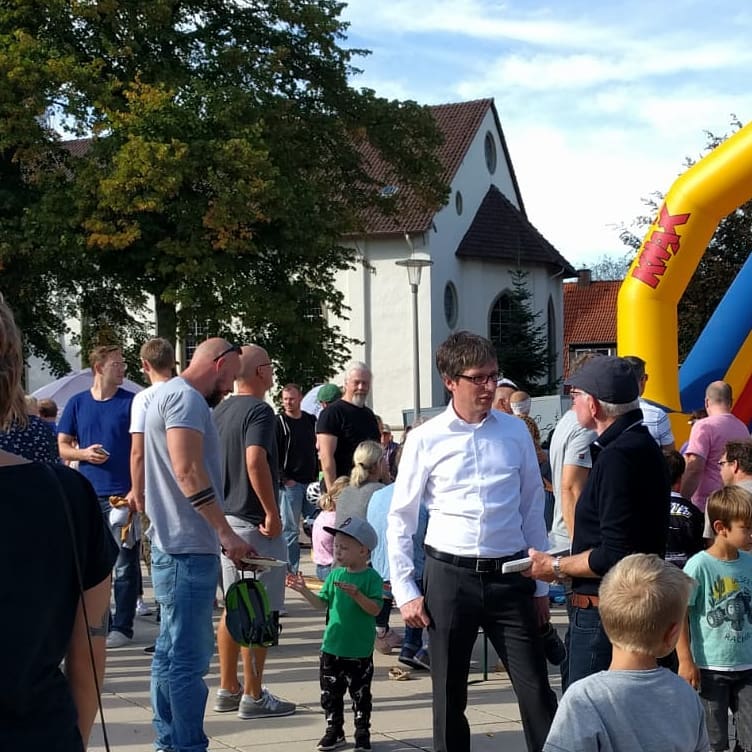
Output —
(589, 314)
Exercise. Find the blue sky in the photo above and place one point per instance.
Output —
(600, 102)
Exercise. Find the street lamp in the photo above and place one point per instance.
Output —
(414, 267)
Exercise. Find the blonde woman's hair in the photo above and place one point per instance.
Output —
(641, 598)
(328, 500)
(12, 402)
(366, 457)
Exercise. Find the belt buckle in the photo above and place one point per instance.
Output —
(484, 566)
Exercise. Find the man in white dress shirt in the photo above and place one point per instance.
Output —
(476, 471)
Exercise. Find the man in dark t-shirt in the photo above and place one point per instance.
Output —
(623, 508)
(345, 423)
(245, 423)
(298, 466)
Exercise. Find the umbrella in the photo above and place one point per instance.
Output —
(73, 383)
(310, 404)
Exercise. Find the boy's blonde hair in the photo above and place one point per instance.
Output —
(328, 500)
(366, 457)
(641, 597)
(730, 504)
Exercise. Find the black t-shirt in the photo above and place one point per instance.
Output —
(685, 529)
(40, 596)
(351, 425)
(244, 421)
(296, 448)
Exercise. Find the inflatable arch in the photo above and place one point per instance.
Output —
(647, 322)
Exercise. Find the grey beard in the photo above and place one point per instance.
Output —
(359, 400)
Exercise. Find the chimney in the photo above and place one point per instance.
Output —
(584, 277)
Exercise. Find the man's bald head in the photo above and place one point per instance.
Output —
(719, 393)
(251, 358)
(213, 368)
(210, 349)
(256, 371)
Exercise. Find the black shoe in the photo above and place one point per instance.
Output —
(150, 648)
(332, 739)
(556, 651)
(362, 740)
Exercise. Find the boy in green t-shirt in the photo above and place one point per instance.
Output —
(352, 593)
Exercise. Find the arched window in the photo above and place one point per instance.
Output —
(551, 333)
(500, 320)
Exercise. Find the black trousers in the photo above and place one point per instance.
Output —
(335, 676)
(458, 602)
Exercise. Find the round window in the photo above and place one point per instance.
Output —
(450, 305)
(489, 147)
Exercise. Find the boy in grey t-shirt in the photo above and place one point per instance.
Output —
(635, 705)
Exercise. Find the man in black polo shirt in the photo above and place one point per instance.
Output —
(623, 509)
(345, 423)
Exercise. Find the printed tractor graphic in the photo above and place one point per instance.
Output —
(729, 603)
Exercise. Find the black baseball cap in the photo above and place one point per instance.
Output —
(608, 379)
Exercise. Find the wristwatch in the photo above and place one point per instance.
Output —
(556, 566)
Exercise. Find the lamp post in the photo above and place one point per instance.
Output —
(414, 267)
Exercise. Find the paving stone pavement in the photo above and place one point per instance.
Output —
(401, 719)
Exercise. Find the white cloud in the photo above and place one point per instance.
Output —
(599, 110)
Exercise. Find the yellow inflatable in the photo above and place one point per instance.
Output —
(673, 246)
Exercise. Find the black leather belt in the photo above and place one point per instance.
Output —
(471, 562)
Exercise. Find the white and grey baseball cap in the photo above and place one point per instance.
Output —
(356, 528)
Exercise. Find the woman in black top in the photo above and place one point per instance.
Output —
(42, 707)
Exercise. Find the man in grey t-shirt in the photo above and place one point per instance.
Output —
(246, 425)
(184, 503)
(569, 455)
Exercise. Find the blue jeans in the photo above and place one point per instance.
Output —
(589, 648)
(292, 505)
(184, 587)
(126, 588)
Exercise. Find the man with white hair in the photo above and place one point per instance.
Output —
(623, 508)
(343, 424)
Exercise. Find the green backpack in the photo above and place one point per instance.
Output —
(248, 618)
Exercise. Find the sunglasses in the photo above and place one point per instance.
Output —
(232, 348)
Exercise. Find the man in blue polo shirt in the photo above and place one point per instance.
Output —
(94, 430)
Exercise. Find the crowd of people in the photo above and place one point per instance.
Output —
(197, 474)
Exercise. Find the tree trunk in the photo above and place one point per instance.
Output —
(167, 320)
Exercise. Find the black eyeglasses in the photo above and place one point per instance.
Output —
(480, 380)
(232, 348)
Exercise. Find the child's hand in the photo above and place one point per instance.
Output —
(690, 673)
(348, 587)
(295, 581)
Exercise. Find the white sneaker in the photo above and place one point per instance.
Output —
(142, 609)
(117, 639)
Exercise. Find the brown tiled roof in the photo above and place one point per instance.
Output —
(500, 232)
(77, 146)
(459, 124)
(589, 314)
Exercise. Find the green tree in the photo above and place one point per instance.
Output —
(521, 341)
(609, 267)
(225, 162)
(726, 253)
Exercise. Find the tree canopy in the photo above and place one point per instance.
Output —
(726, 253)
(221, 171)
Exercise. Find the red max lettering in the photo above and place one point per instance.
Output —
(657, 250)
